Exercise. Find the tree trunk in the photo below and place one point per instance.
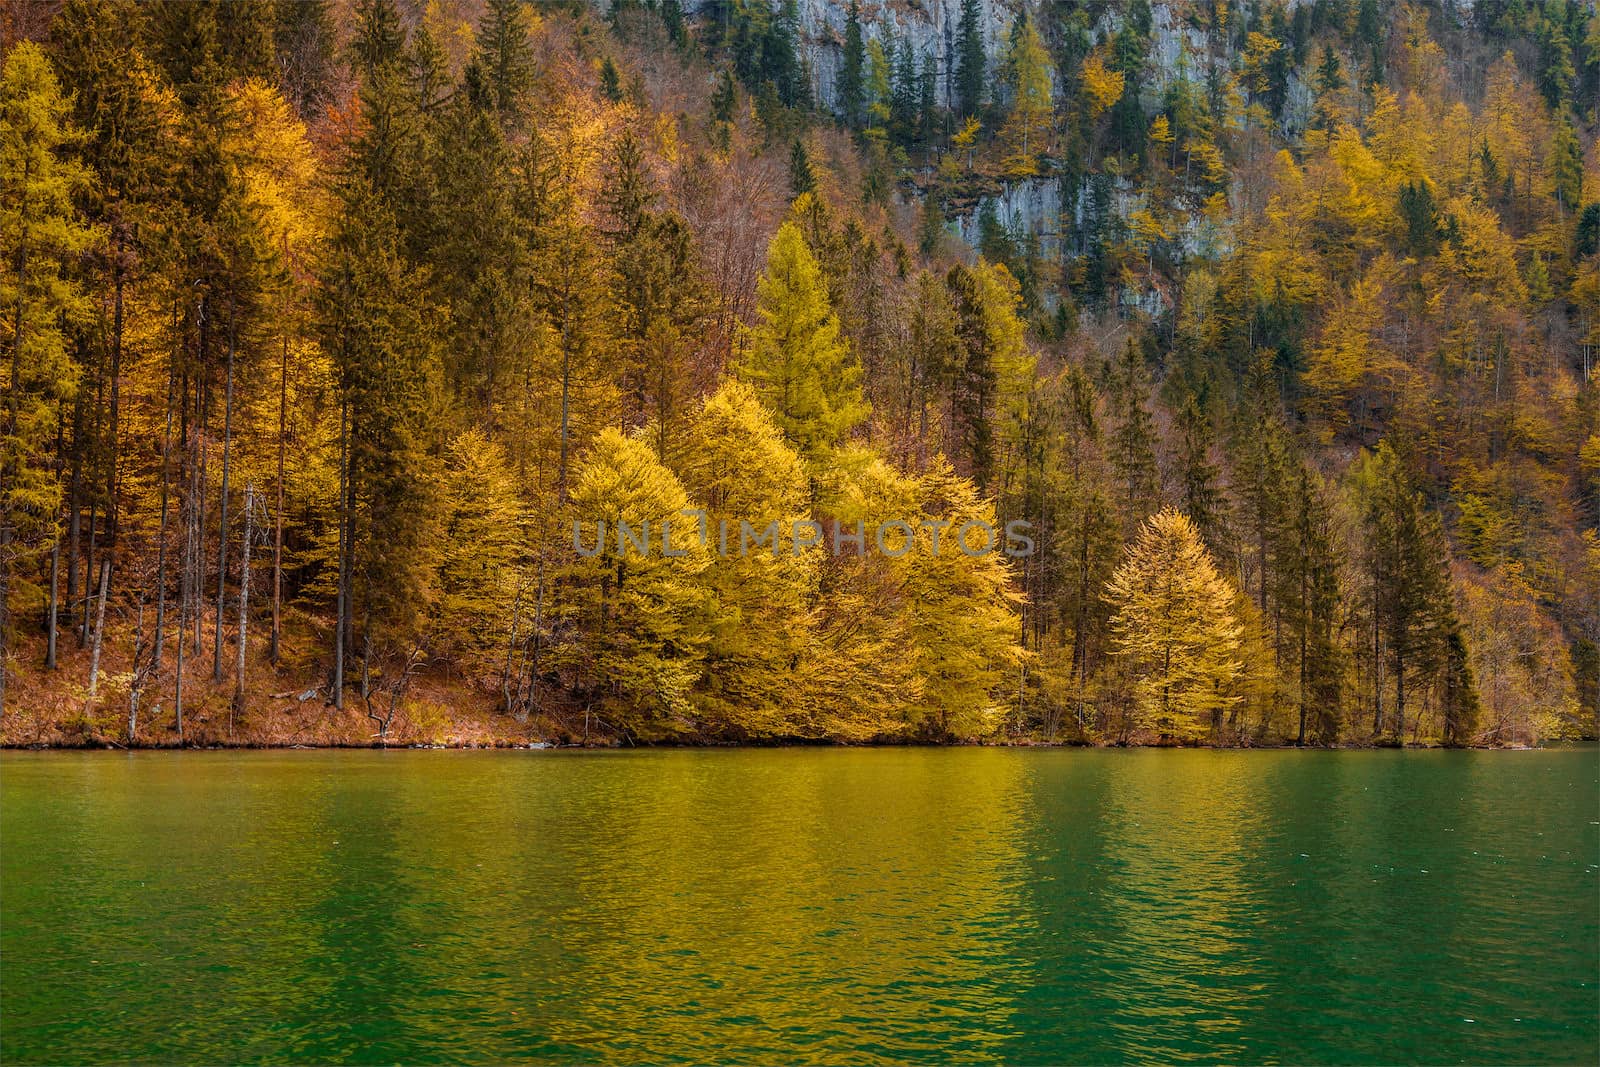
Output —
(277, 515)
(244, 594)
(99, 629)
(222, 520)
(5, 605)
(50, 626)
(342, 597)
(161, 534)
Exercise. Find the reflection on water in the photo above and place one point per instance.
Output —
(811, 905)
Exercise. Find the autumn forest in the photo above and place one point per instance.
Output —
(339, 333)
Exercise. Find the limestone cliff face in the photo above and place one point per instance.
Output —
(929, 26)
(1042, 207)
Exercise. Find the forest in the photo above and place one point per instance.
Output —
(335, 329)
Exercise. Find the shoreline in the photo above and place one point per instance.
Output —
(104, 745)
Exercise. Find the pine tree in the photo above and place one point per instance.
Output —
(1307, 592)
(801, 368)
(42, 233)
(1412, 610)
(1199, 476)
(970, 75)
(1175, 628)
(1027, 73)
(374, 322)
(303, 41)
(973, 379)
(1131, 443)
(801, 179)
(850, 74)
(379, 40)
(506, 58)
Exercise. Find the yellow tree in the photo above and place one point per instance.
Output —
(1027, 68)
(734, 463)
(1101, 86)
(478, 554)
(632, 598)
(1175, 629)
(41, 233)
(1347, 364)
(963, 620)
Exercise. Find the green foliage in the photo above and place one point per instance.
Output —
(799, 365)
(43, 233)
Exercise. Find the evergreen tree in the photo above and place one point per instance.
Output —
(1204, 501)
(303, 41)
(1412, 611)
(1307, 591)
(970, 74)
(506, 58)
(1131, 443)
(801, 179)
(801, 368)
(973, 379)
(374, 322)
(850, 74)
(42, 233)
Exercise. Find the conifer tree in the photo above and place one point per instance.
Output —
(1130, 445)
(1174, 625)
(478, 547)
(804, 372)
(42, 232)
(970, 60)
(1412, 610)
(637, 615)
(1027, 73)
(850, 74)
(733, 462)
(506, 58)
(374, 322)
(962, 611)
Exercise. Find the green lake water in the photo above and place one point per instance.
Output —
(815, 905)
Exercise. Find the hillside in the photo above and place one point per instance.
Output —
(351, 346)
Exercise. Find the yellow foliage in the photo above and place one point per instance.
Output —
(1102, 86)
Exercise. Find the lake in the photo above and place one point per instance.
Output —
(818, 905)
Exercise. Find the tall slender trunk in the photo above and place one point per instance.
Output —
(13, 414)
(222, 509)
(161, 535)
(244, 593)
(1399, 698)
(277, 512)
(50, 626)
(1377, 666)
(342, 597)
(88, 575)
(566, 393)
(74, 521)
(114, 428)
(99, 629)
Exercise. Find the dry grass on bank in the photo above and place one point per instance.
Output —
(285, 705)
